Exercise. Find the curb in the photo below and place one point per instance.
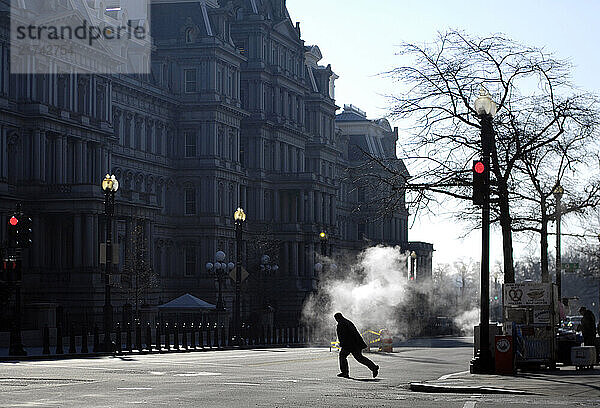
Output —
(424, 387)
(134, 352)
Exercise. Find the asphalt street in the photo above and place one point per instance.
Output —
(278, 377)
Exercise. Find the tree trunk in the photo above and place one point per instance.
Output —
(505, 224)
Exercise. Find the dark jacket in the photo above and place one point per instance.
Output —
(349, 337)
(588, 324)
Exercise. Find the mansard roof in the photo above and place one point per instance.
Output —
(169, 25)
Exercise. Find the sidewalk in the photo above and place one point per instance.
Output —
(564, 382)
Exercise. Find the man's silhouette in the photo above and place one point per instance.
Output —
(351, 342)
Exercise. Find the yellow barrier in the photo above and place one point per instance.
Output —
(383, 339)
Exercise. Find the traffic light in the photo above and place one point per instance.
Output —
(19, 231)
(13, 230)
(480, 177)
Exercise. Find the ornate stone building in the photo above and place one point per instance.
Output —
(236, 112)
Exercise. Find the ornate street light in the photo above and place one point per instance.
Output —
(240, 217)
(486, 109)
(267, 268)
(323, 237)
(220, 269)
(558, 192)
(110, 185)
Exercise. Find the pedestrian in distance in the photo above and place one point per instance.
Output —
(351, 342)
(588, 326)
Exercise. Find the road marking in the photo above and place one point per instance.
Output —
(469, 404)
(135, 388)
(240, 383)
(196, 374)
(445, 377)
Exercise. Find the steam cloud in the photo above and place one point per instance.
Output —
(372, 289)
(367, 289)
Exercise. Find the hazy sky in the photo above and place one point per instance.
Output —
(359, 38)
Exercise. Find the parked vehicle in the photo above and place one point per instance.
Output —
(572, 323)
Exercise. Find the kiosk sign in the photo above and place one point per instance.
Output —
(527, 294)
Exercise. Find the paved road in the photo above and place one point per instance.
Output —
(284, 377)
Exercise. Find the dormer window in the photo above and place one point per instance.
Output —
(189, 36)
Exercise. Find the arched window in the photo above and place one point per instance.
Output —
(189, 36)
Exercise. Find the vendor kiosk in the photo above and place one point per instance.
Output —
(531, 315)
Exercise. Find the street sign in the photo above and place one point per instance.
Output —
(570, 267)
(526, 294)
(244, 274)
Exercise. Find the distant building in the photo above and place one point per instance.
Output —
(236, 113)
(366, 138)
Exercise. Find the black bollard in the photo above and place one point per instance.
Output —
(217, 343)
(192, 336)
(72, 349)
(223, 338)
(96, 342)
(209, 337)
(184, 344)
(118, 338)
(201, 336)
(148, 337)
(59, 340)
(138, 337)
(46, 340)
(128, 346)
(176, 336)
(158, 339)
(167, 337)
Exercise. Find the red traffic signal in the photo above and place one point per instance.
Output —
(480, 182)
(13, 221)
(478, 167)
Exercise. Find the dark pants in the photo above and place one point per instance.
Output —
(589, 339)
(357, 354)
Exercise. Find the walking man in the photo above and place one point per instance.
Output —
(351, 342)
(588, 326)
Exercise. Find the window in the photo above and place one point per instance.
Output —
(190, 80)
(190, 143)
(190, 262)
(189, 35)
(190, 201)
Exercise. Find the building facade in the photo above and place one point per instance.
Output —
(237, 112)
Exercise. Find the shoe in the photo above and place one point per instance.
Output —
(343, 375)
(376, 371)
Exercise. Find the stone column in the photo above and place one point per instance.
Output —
(311, 206)
(59, 159)
(294, 258)
(43, 168)
(36, 154)
(277, 215)
(78, 166)
(77, 241)
(88, 250)
(4, 153)
(97, 174)
(302, 217)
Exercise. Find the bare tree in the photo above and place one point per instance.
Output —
(138, 275)
(436, 92)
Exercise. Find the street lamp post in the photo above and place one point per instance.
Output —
(266, 268)
(558, 193)
(240, 217)
(413, 260)
(110, 185)
(486, 109)
(220, 268)
(323, 237)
